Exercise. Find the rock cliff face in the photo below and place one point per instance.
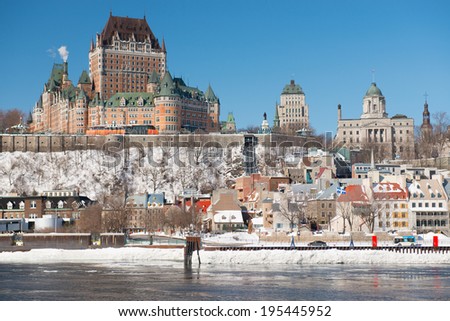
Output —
(98, 166)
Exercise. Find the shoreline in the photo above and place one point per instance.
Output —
(208, 258)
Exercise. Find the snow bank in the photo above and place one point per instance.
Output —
(265, 257)
(128, 254)
(231, 238)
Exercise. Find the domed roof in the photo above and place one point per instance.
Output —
(292, 88)
(373, 90)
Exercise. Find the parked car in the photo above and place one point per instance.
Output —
(317, 244)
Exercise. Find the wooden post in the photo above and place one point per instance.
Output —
(193, 243)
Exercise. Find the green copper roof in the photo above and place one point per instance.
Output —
(130, 100)
(210, 96)
(55, 79)
(84, 78)
(373, 90)
(154, 78)
(167, 87)
(230, 118)
(292, 89)
(69, 93)
(81, 94)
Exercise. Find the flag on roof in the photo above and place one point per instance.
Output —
(341, 190)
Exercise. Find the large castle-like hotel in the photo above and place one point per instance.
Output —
(128, 85)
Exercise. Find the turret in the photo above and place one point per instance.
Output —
(276, 119)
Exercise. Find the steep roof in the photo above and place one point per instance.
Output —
(210, 95)
(127, 28)
(230, 118)
(154, 78)
(167, 87)
(56, 76)
(84, 78)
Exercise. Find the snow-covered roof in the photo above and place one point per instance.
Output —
(228, 217)
(389, 191)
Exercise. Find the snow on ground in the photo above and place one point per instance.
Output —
(231, 238)
(265, 257)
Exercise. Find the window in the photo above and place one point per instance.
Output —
(33, 204)
(9, 205)
(21, 205)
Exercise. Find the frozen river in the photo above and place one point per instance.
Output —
(123, 277)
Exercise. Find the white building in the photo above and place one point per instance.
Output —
(292, 114)
(428, 204)
(388, 137)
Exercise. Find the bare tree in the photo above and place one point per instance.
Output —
(9, 119)
(175, 218)
(345, 210)
(115, 214)
(368, 213)
(440, 132)
(90, 219)
(292, 211)
(157, 177)
(153, 219)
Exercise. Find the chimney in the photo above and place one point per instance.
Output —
(339, 112)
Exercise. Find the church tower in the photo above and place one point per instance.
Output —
(426, 127)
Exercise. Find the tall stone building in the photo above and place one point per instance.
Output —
(129, 85)
(124, 56)
(292, 113)
(374, 130)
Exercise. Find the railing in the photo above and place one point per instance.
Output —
(397, 249)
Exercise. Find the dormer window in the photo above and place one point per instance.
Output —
(9, 205)
(60, 204)
(140, 102)
(123, 102)
(21, 205)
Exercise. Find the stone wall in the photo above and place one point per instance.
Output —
(60, 241)
(60, 143)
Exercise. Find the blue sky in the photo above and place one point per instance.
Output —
(249, 50)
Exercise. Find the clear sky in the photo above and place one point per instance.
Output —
(248, 50)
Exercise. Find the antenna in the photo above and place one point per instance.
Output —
(373, 75)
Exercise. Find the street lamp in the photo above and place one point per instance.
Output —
(56, 215)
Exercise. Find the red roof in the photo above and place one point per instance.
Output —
(354, 193)
(389, 191)
(201, 205)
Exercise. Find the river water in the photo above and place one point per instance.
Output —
(171, 281)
